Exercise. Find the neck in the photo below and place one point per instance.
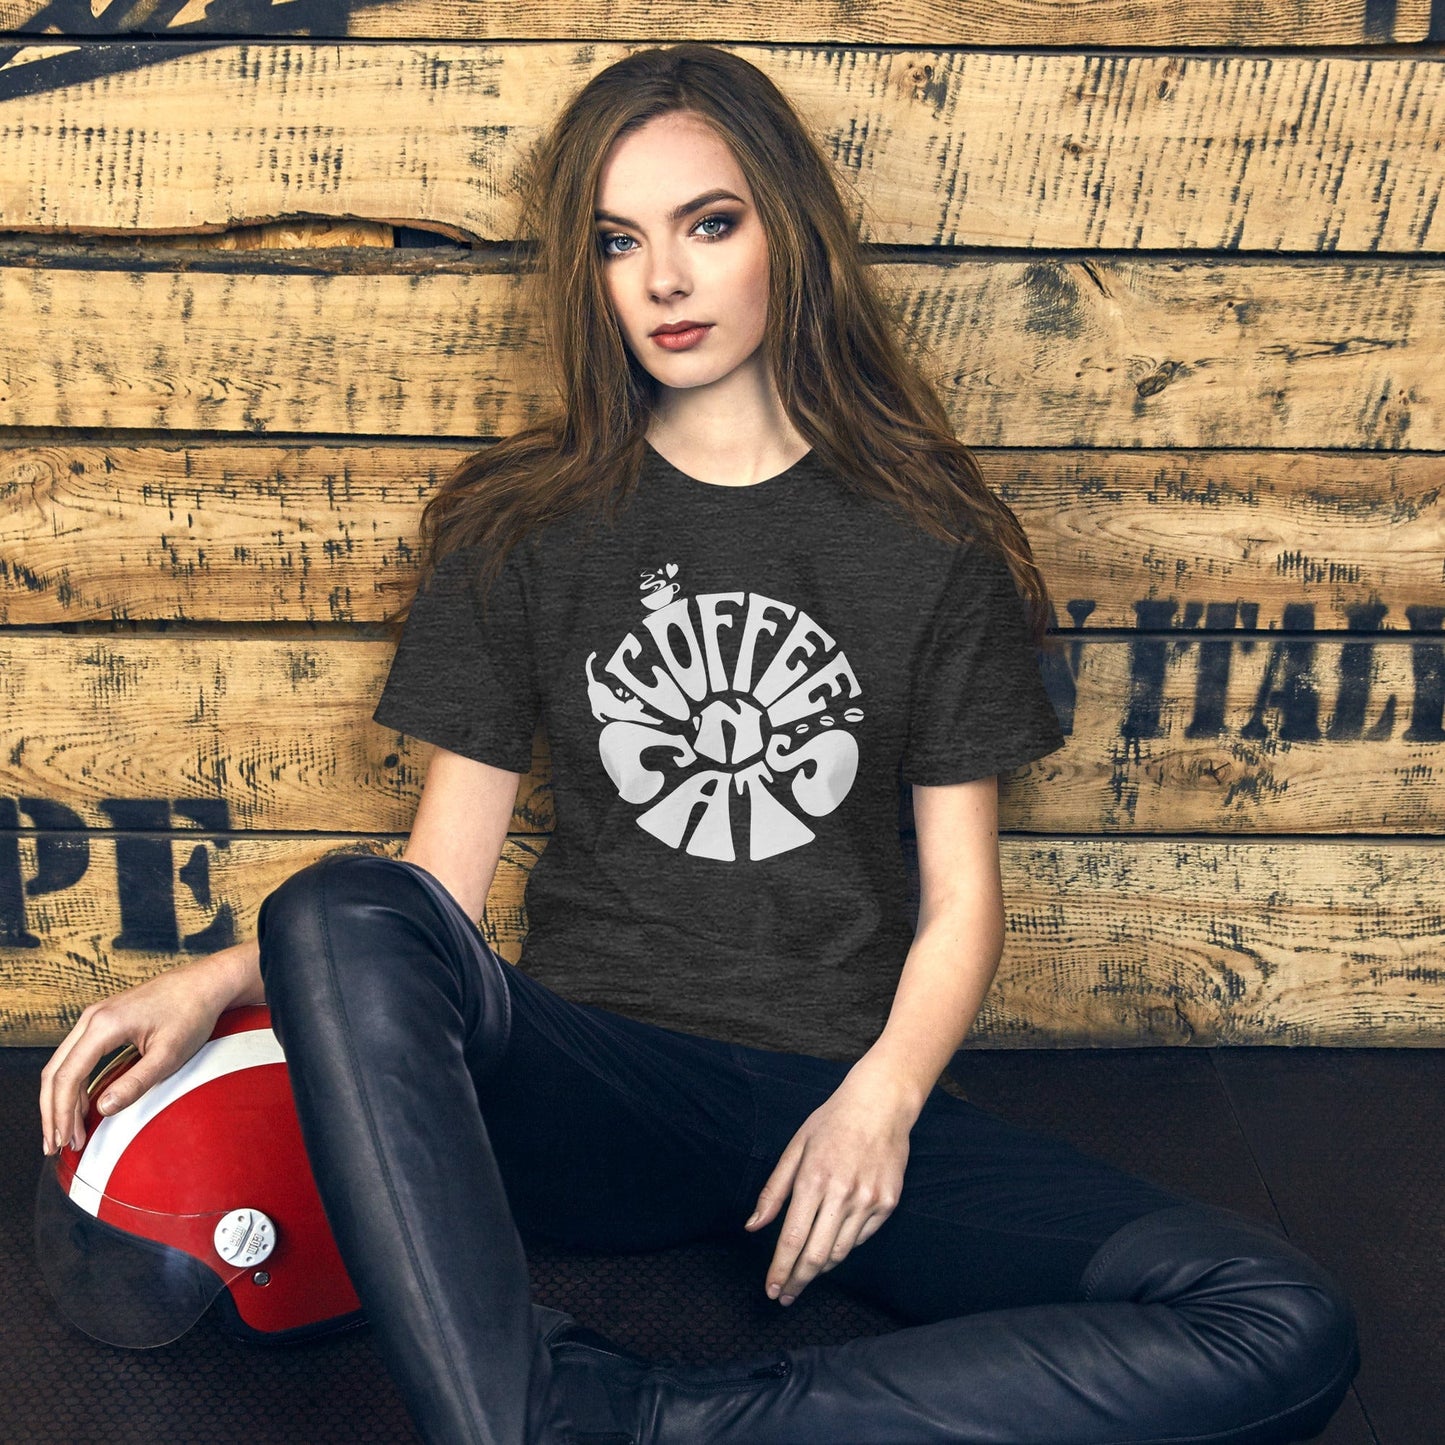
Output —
(722, 443)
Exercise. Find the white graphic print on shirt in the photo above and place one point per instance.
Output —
(751, 731)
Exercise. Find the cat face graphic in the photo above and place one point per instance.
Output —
(610, 702)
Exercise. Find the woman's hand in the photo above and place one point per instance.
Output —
(167, 1018)
(844, 1169)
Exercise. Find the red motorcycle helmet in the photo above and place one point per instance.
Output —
(198, 1193)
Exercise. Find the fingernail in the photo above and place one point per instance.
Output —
(773, 1290)
(787, 1299)
(106, 1104)
(753, 1217)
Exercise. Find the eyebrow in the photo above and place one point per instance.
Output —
(678, 212)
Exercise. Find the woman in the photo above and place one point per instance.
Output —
(753, 583)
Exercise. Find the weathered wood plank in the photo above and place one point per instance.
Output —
(1203, 941)
(256, 735)
(977, 147)
(211, 530)
(1211, 733)
(219, 531)
(1093, 353)
(1110, 942)
(1222, 539)
(1246, 734)
(862, 22)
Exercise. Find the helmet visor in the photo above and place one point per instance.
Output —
(113, 1272)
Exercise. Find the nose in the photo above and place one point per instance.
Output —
(667, 275)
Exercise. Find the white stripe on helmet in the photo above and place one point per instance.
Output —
(115, 1132)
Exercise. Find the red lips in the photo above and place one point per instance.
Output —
(673, 326)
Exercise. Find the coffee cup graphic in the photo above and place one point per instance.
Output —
(657, 590)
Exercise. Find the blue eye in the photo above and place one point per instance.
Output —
(728, 225)
(717, 235)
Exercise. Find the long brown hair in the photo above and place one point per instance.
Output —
(833, 344)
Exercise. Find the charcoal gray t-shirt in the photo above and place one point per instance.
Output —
(734, 682)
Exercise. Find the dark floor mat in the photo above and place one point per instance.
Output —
(1350, 1141)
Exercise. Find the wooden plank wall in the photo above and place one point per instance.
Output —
(1176, 272)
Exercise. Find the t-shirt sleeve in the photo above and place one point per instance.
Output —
(458, 681)
(978, 704)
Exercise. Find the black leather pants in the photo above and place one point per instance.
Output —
(452, 1107)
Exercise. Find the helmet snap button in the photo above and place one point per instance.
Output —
(245, 1237)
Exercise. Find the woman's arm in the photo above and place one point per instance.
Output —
(958, 941)
(842, 1171)
(461, 825)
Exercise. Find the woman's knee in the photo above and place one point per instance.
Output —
(1229, 1272)
(379, 933)
(301, 919)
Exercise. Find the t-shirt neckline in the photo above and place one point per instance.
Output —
(664, 468)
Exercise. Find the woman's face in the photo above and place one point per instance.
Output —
(708, 265)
